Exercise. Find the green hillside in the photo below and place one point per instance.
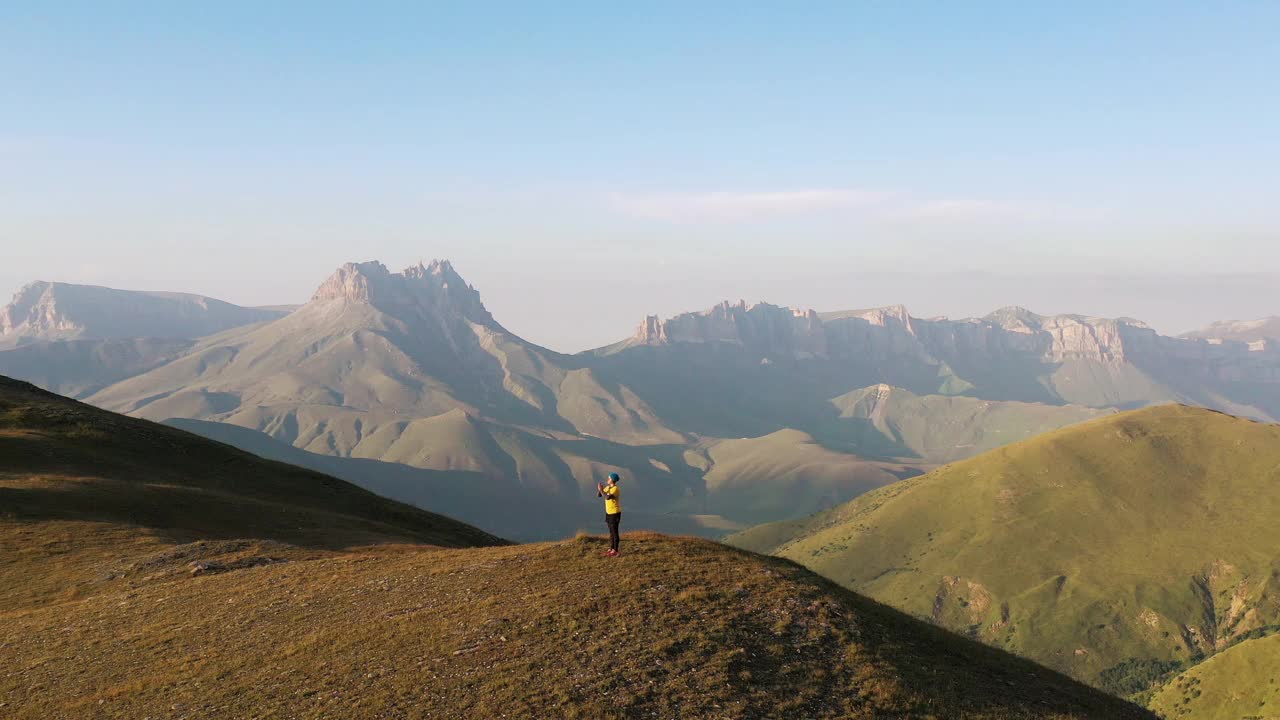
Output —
(1102, 550)
(1240, 682)
(752, 479)
(885, 421)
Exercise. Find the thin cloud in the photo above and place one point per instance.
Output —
(962, 209)
(695, 207)
(862, 205)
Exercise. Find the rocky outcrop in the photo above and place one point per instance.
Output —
(761, 328)
(894, 316)
(436, 288)
(34, 309)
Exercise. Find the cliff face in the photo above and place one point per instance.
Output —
(761, 328)
(892, 330)
(434, 289)
(64, 311)
(34, 308)
(1012, 353)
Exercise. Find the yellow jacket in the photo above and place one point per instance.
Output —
(611, 504)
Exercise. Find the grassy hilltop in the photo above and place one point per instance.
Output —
(676, 628)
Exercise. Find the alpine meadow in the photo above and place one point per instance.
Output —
(844, 361)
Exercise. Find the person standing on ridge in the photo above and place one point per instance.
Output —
(612, 510)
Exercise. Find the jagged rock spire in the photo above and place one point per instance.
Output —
(424, 287)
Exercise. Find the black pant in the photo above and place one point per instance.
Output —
(612, 521)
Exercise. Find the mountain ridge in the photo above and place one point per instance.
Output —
(1065, 335)
(1259, 333)
(1010, 354)
(65, 311)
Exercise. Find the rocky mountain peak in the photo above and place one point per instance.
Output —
(1016, 318)
(652, 331)
(356, 282)
(441, 270)
(1134, 322)
(436, 286)
(891, 315)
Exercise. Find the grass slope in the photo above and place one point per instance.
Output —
(1100, 549)
(884, 421)
(1241, 682)
(675, 628)
(788, 473)
(77, 483)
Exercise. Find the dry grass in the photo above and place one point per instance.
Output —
(676, 628)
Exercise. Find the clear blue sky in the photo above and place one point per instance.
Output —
(243, 151)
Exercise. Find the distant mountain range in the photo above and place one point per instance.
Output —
(1119, 551)
(1262, 331)
(718, 419)
(1012, 354)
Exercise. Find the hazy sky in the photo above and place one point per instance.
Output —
(584, 163)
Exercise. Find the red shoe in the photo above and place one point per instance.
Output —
(608, 553)
(614, 553)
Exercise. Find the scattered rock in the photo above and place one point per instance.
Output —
(205, 568)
